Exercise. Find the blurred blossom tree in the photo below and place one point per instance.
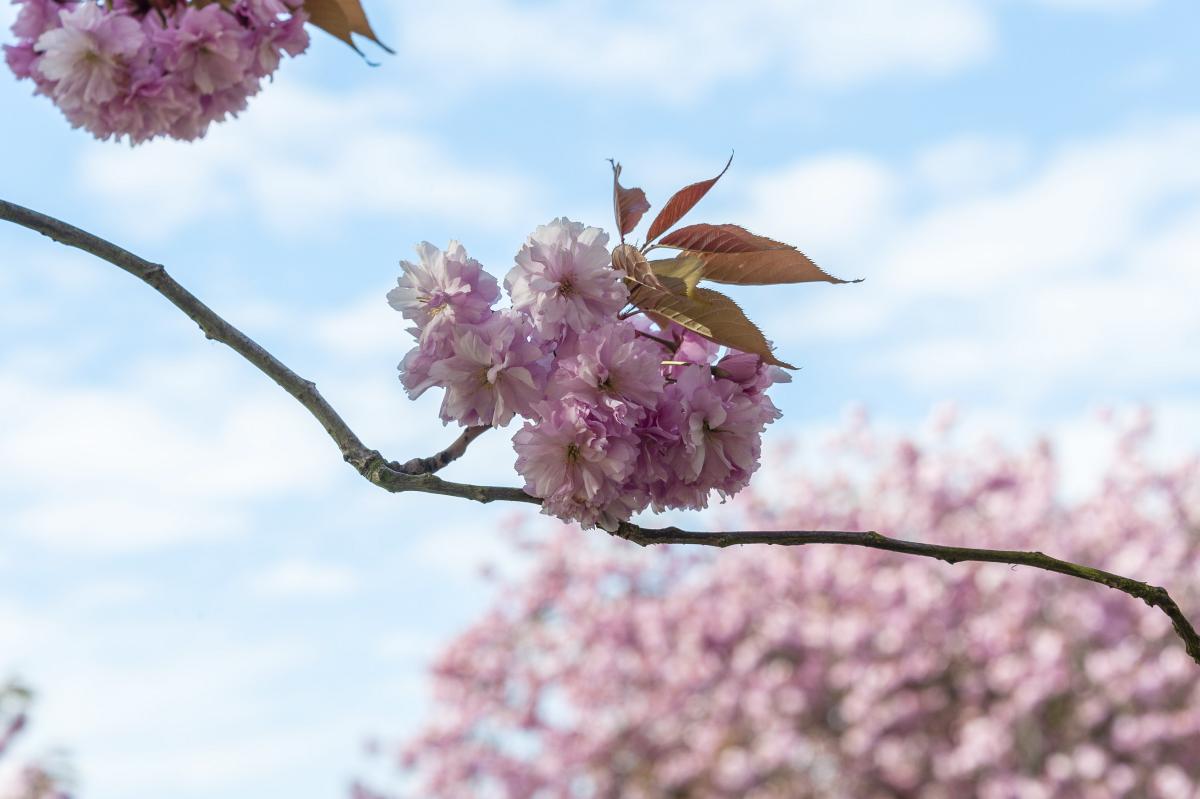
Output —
(32, 780)
(836, 672)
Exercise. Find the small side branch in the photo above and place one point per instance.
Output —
(447, 456)
(418, 473)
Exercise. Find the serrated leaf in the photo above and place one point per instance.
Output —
(341, 19)
(732, 254)
(763, 268)
(680, 203)
(628, 204)
(719, 239)
(633, 263)
(685, 267)
(707, 313)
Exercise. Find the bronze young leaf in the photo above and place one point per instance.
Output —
(685, 267)
(707, 313)
(680, 203)
(633, 263)
(763, 268)
(668, 290)
(732, 254)
(341, 19)
(628, 204)
(718, 238)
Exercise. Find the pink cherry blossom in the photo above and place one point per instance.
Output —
(828, 671)
(749, 372)
(34, 780)
(87, 57)
(140, 70)
(493, 373)
(564, 279)
(616, 423)
(34, 18)
(205, 49)
(274, 28)
(575, 459)
(614, 366)
(415, 368)
(716, 428)
(447, 288)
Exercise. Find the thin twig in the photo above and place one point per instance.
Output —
(447, 456)
(369, 463)
(396, 478)
(1152, 595)
(670, 345)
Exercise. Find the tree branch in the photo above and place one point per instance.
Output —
(447, 456)
(417, 474)
(369, 463)
(1153, 595)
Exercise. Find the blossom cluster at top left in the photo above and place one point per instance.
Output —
(142, 69)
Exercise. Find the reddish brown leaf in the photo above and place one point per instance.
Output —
(629, 259)
(680, 203)
(341, 19)
(707, 313)
(767, 267)
(732, 254)
(628, 204)
(719, 238)
(685, 267)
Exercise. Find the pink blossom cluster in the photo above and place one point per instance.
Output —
(831, 671)
(620, 414)
(32, 780)
(144, 69)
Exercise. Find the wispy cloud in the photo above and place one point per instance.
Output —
(295, 579)
(678, 50)
(302, 161)
(139, 465)
(1076, 274)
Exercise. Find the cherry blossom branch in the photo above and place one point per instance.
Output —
(417, 474)
(1153, 595)
(447, 456)
(368, 462)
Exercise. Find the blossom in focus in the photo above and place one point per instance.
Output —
(612, 365)
(575, 458)
(564, 279)
(445, 289)
(493, 373)
(621, 414)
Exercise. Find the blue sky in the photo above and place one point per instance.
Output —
(211, 603)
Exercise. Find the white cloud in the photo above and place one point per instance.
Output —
(970, 164)
(460, 553)
(830, 203)
(1077, 273)
(301, 160)
(153, 461)
(368, 327)
(677, 50)
(301, 578)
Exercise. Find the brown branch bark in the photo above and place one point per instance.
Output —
(417, 474)
(447, 456)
